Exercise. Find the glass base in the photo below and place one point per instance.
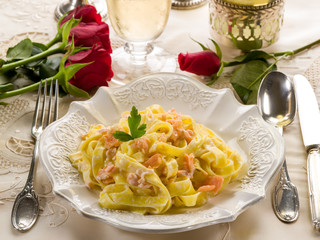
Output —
(126, 69)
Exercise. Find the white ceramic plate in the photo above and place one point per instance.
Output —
(239, 125)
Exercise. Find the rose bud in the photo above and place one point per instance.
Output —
(95, 74)
(203, 63)
(88, 34)
(87, 13)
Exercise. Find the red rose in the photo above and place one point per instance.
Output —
(87, 13)
(95, 74)
(203, 63)
(88, 34)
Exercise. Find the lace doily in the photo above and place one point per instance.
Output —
(313, 75)
(15, 122)
(17, 145)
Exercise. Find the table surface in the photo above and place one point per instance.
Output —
(35, 19)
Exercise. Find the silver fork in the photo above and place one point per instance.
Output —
(25, 209)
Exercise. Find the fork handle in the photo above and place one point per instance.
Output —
(33, 162)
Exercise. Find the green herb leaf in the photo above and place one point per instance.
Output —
(20, 51)
(136, 130)
(122, 136)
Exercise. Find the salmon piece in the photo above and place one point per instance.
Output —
(188, 135)
(154, 161)
(188, 163)
(179, 133)
(212, 182)
(111, 153)
(132, 179)
(136, 180)
(183, 173)
(105, 175)
(176, 123)
(206, 188)
(142, 144)
(188, 167)
(110, 140)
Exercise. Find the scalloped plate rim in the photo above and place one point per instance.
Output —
(105, 90)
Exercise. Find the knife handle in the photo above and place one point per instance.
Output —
(313, 167)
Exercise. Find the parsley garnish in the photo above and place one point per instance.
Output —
(136, 131)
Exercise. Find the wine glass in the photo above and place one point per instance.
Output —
(139, 22)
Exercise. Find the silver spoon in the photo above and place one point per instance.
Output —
(66, 6)
(277, 105)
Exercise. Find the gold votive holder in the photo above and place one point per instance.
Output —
(245, 27)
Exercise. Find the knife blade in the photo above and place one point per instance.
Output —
(309, 116)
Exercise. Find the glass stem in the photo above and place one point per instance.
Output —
(138, 51)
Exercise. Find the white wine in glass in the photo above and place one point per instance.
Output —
(139, 22)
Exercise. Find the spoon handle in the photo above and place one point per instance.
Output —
(285, 199)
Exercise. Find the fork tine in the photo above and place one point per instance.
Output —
(43, 105)
(36, 111)
(50, 104)
(56, 103)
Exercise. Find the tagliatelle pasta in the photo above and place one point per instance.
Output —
(177, 162)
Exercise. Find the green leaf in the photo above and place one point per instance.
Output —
(45, 71)
(136, 131)
(75, 91)
(36, 49)
(142, 127)
(242, 92)
(6, 87)
(8, 77)
(20, 51)
(134, 121)
(2, 62)
(204, 48)
(50, 68)
(28, 73)
(122, 136)
(72, 69)
(253, 55)
(247, 78)
(216, 76)
(66, 27)
(40, 46)
(218, 49)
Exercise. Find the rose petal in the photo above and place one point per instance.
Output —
(201, 63)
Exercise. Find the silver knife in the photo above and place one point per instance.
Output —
(309, 116)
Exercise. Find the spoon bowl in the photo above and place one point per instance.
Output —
(276, 99)
(277, 106)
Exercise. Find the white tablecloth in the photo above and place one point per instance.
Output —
(58, 220)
